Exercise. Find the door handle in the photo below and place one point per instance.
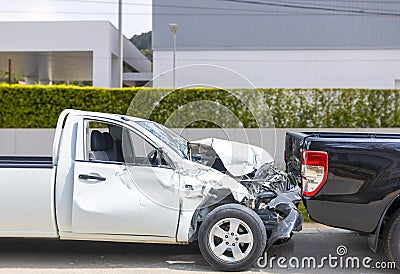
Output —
(91, 177)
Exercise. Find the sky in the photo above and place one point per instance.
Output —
(136, 13)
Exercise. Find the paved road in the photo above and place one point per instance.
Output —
(52, 256)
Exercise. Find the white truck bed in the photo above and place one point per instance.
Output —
(26, 197)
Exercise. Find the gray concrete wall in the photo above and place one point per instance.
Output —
(311, 24)
(28, 142)
(31, 142)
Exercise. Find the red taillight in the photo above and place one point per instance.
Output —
(314, 170)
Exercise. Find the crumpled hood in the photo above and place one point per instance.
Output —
(239, 159)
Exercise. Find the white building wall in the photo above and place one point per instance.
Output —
(102, 69)
(57, 50)
(288, 68)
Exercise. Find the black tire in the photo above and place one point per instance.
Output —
(391, 238)
(232, 217)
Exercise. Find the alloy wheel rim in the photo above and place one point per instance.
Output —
(230, 240)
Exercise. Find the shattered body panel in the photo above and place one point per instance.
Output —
(237, 158)
(275, 197)
(244, 174)
(203, 188)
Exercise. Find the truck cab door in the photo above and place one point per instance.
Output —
(119, 190)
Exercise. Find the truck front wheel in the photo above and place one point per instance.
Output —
(232, 237)
(391, 238)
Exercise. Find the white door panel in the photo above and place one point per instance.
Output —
(156, 185)
(123, 203)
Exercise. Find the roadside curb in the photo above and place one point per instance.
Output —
(320, 228)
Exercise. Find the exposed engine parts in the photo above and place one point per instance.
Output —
(273, 194)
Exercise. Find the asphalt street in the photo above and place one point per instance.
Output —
(53, 256)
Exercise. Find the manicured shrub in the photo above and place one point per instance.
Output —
(39, 106)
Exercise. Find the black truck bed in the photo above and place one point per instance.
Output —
(350, 135)
(363, 176)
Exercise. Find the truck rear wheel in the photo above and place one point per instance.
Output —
(391, 238)
(232, 237)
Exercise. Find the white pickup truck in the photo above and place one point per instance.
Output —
(119, 178)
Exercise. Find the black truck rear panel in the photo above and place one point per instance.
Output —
(363, 176)
(26, 162)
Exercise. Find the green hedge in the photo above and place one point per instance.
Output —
(39, 106)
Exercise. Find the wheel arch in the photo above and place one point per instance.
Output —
(204, 208)
(389, 210)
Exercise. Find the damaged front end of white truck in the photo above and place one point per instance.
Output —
(257, 184)
(234, 173)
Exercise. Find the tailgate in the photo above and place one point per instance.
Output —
(294, 143)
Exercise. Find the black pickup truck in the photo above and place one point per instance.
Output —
(350, 181)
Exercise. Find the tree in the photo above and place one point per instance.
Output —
(143, 43)
(15, 77)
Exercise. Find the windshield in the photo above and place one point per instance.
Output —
(167, 136)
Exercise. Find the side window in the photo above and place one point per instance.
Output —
(145, 153)
(103, 142)
(112, 143)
